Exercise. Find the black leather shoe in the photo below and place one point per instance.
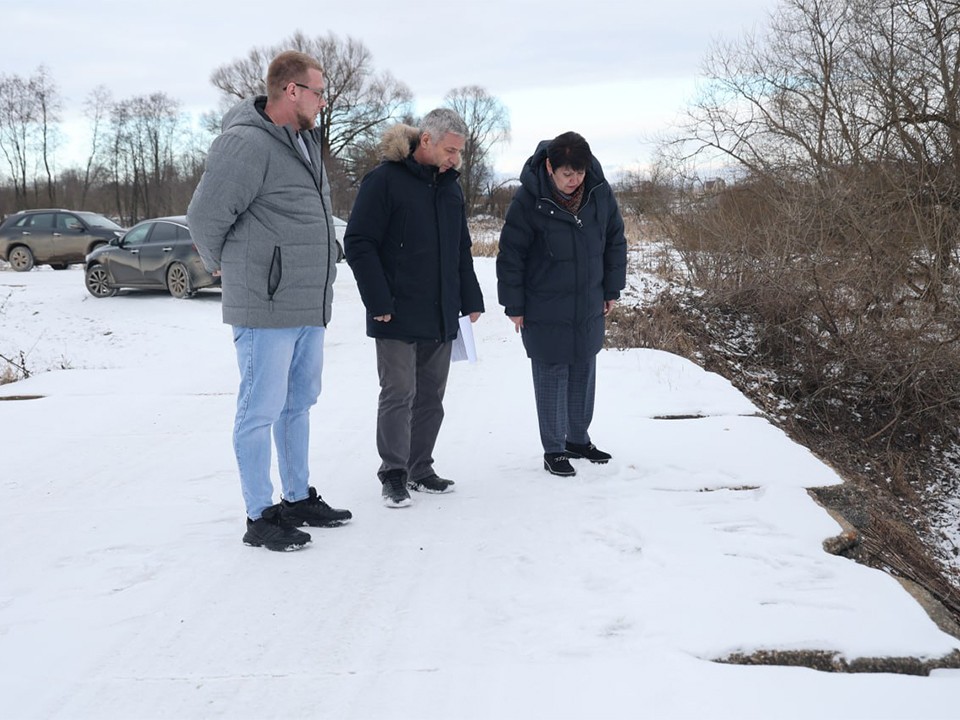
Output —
(558, 464)
(588, 451)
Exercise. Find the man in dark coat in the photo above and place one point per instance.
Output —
(560, 268)
(409, 248)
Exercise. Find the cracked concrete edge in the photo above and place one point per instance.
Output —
(828, 661)
(849, 537)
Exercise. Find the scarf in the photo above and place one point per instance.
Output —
(570, 203)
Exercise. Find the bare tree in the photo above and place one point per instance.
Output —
(243, 78)
(488, 123)
(359, 100)
(49, 105)
(96, 111)
(147, 134)
(841, 236)
(18, 114)
(838, 242)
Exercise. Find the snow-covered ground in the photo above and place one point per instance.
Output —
(125, 591)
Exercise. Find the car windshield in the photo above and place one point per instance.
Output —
(97, 220)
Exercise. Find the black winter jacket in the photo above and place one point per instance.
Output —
(556, 269)
(409, 248)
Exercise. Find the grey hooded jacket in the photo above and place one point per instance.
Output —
(261, 215)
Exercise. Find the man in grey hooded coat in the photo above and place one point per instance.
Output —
(261, 218)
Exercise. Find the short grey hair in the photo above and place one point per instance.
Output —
(440, 121)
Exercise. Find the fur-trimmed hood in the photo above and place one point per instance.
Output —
(398, 142)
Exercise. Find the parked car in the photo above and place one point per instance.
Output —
(53, 237)
(157, 253)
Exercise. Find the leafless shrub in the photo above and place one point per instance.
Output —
(835, 240)
(13, 369)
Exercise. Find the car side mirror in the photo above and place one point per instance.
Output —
(115, 241)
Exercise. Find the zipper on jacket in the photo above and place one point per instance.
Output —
(275, 273)
(578, 311)
(316, 171)
(575, 217)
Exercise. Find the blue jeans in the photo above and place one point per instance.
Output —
(279, 383)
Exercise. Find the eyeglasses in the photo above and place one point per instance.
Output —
(318, 93)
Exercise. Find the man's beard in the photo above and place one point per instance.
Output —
(306, 122)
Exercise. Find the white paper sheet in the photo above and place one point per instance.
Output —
(464, 347)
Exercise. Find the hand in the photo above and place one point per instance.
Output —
(474, 316)
(608, 305)
(216, 273)
(382, 318)
(517, 322)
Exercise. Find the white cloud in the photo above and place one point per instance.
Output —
(616, 70)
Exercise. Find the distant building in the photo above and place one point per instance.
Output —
(714, 186)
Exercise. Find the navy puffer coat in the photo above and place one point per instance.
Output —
(556, 269)
(409, 248)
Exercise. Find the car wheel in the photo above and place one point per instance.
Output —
(20, 258)
(178, 281)
(98, 282)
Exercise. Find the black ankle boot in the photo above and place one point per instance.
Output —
(558, 464)
(588, 451)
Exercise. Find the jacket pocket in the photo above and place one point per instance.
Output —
(559, 242)
(275, 273)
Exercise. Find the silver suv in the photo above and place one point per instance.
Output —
(53, 237)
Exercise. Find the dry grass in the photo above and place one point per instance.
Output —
(661, 325)
(9, 374)
(642, 238)
(485, 233)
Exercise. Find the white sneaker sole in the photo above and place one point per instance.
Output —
(393, 504)
(423, 489)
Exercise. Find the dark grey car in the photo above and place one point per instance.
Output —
(153, 254)
(53, 237)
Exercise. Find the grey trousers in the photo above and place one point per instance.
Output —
(565, 396)
(413, 379)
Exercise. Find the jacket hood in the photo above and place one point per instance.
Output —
(398, 142)
(534, 177)
(250, 112)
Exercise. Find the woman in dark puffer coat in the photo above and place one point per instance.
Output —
(560, 269)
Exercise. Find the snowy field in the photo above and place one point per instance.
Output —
(125, 591)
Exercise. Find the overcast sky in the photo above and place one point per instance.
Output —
(617, 72)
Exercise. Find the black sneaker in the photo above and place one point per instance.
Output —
(588, 451)
(431, 484)
(558, 464)
(313, 511)
(395, 493)
(270, 531)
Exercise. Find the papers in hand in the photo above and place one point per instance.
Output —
(464, 347)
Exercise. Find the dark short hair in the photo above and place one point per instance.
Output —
(287, 67)
(569, 150)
